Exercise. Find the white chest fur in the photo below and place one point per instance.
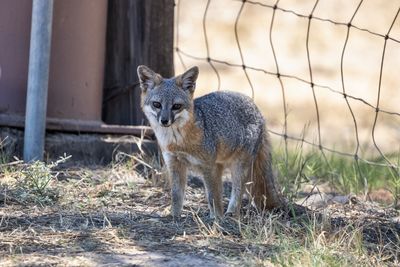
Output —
(186, 158)
(167, 136)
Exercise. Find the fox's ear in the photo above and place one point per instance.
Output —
(147, 78)
(188, 79)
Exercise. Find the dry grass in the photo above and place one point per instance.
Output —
(118, 216)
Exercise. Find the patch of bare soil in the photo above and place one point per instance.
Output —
(109, 217)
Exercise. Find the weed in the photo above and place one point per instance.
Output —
(35, 182)
(395, 184)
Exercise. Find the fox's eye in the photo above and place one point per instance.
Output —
(156, 104)
(176, 106)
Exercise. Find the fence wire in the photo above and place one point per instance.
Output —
(185, 54)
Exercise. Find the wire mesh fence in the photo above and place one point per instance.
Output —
(324, 73)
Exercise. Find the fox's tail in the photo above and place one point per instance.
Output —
(263, 190)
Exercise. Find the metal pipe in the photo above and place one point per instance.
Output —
(38, 79)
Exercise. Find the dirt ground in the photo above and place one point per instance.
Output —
(113, 217)
(96, 220)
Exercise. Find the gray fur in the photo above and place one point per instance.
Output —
(230, 117)
(229, 121)
(214, 113)
(168, 94)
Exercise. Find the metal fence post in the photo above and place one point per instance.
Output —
(38, 79)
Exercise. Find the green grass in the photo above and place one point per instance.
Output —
(345, 175)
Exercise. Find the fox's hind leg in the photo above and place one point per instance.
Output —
(240, 172)
(213, 184)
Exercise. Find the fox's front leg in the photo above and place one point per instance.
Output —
(177, 172)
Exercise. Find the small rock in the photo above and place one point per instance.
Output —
(315, 201)
(340, 199)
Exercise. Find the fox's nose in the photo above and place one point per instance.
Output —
(164, 122)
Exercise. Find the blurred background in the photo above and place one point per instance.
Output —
(283, 39)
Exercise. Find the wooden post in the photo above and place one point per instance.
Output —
(138, 32)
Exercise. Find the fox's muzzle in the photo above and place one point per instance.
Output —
(166, 118)
(164, 123)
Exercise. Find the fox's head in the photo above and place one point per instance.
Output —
(167, 101)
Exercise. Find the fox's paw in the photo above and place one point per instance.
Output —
(233, 215)
(229, 214)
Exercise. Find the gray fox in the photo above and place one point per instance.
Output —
(218, 131)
